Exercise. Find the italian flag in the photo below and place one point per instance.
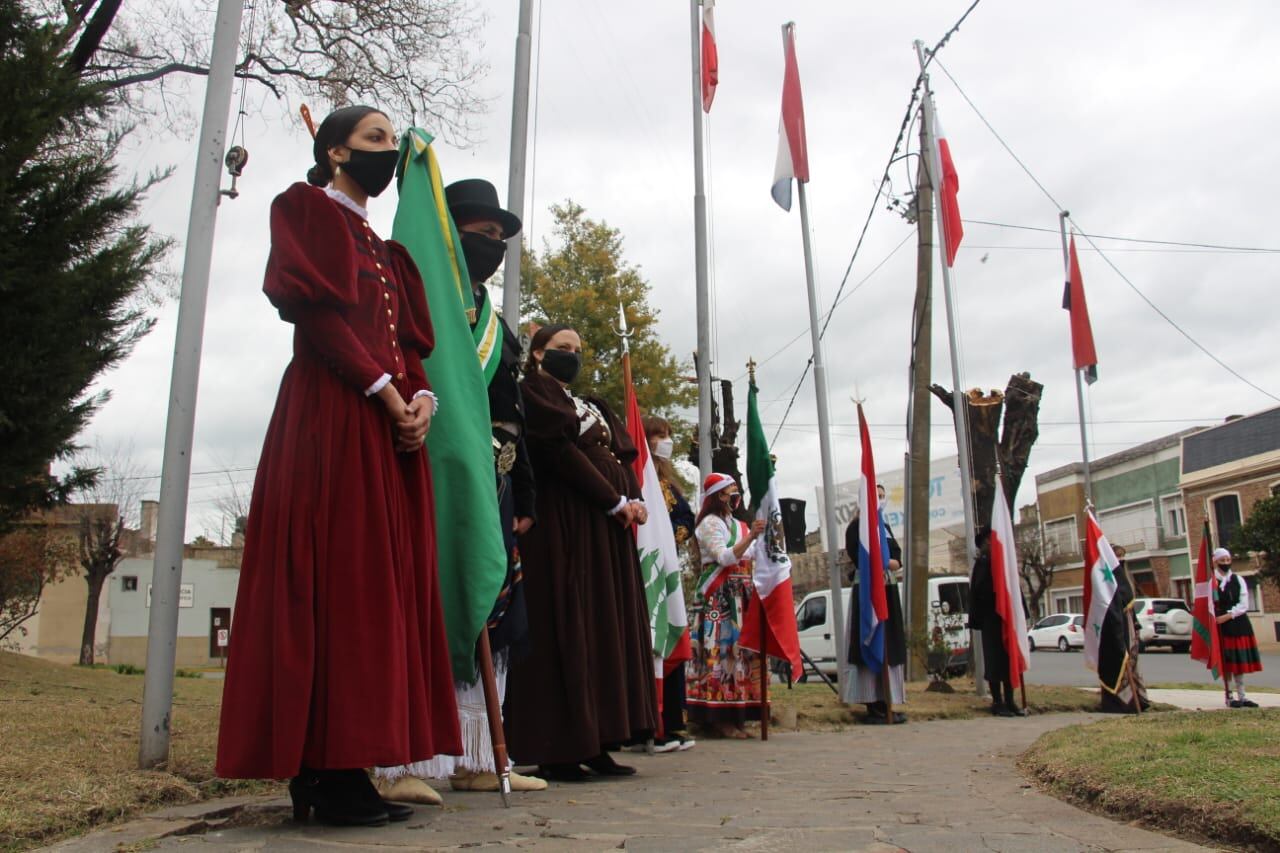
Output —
(772, 570)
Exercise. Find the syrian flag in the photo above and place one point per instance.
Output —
(1083, 355)
(772, 570)
(656, 544)
(952, 227)
(1008, 588)
(1106, 638)
(872, 558)
(1205, 645)
(710, 57)
(793, 151)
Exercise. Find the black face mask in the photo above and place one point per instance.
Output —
(735, 501)
(484, 255)
(562, 364)
(372, 170)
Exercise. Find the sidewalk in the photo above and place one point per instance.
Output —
(1209, 700)
(947, 785)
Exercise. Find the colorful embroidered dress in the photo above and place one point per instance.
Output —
(723, 683)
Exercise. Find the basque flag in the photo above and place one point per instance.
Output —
(793, 150)
(873, 557)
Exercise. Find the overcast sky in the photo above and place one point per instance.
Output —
(1152, 120)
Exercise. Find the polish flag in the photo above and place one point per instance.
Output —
(952, 227)
(793, 151)
(1008, 589)
(710, 57)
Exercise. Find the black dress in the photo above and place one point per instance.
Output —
(588, 679)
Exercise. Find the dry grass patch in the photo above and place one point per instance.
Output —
(69, 750)
(813, 707)
(1210, 776)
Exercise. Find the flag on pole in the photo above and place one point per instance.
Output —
(1083, 355)
(872, 558)
(656, 544)
(793, 151)
(1008, 588)
(1106, 640)
(1205, 645)
(710, 57)
(472, 555)
(952, 227)
(772, 570)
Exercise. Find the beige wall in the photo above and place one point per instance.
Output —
(191, 651)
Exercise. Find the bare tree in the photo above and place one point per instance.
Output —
(103, 510)
(1035, 566)
(416, 57)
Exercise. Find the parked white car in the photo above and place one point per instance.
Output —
(1163, 622)
(1065, 631)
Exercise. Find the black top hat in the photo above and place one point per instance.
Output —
(476, 198)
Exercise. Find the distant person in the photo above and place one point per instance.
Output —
(1239, 646)
(723, 681)
(338, 658)
(867, 687)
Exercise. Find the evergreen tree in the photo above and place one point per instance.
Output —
(74, 265)
(581, 281)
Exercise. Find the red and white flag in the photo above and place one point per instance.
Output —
(1205, 646)
(1008, 588)
(793, 151)
(1083, 355)
(952, 227)
(710, 57)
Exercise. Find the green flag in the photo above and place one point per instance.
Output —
(473, 558)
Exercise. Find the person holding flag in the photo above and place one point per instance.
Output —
(1239, 647)
(1106, 621)
(1206, 645)
(877, 639)
(723, 686)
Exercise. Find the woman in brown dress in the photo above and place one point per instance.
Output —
(588, 681)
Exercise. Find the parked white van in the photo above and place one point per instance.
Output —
(948, 611)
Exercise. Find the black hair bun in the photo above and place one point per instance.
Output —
(319, 176)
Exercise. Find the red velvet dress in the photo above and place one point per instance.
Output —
(338, 655)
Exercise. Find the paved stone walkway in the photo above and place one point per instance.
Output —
(947, 785)
(1209, 700)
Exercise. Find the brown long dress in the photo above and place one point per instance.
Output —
(588, 680)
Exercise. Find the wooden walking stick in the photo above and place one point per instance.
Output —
(484, 656)
(764, 672)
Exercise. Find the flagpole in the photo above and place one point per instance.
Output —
(824, 445)
(960, 402)
(516, 168)
(702, 299)
(764, 671)
(1084, 442)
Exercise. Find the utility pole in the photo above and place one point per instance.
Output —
(516, 168)
(702, 298)
(919, 421)
(175, 477)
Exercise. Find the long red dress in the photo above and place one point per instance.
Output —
(338, 655)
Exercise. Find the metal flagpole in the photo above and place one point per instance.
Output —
(166, 577)
(959, 398)
(702, 299)
(516, 169)
(824, 444)
(1084, 442)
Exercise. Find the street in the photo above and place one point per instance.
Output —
(1157, 666)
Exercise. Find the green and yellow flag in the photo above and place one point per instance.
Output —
(473, 558)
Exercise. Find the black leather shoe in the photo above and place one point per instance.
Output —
(397, 811)
(561, 773)
(606, 766)
(336, 798)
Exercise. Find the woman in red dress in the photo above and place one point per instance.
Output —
(338, 657)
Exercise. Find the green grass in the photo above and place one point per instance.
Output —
(69, 761)
(1211, 776)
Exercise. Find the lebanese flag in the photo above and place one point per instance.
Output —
(872, 558)
(1083, 355)
(710, 57)
(952, 227)
(1205, 645)
(1008, 588)
(1106, 634)
(793, 151)
(659, 557)
(771, 573)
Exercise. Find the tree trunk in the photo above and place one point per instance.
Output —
(95, 582)
(1021, 429)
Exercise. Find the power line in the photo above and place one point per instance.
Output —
(1054, 231)
(1098, 249)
